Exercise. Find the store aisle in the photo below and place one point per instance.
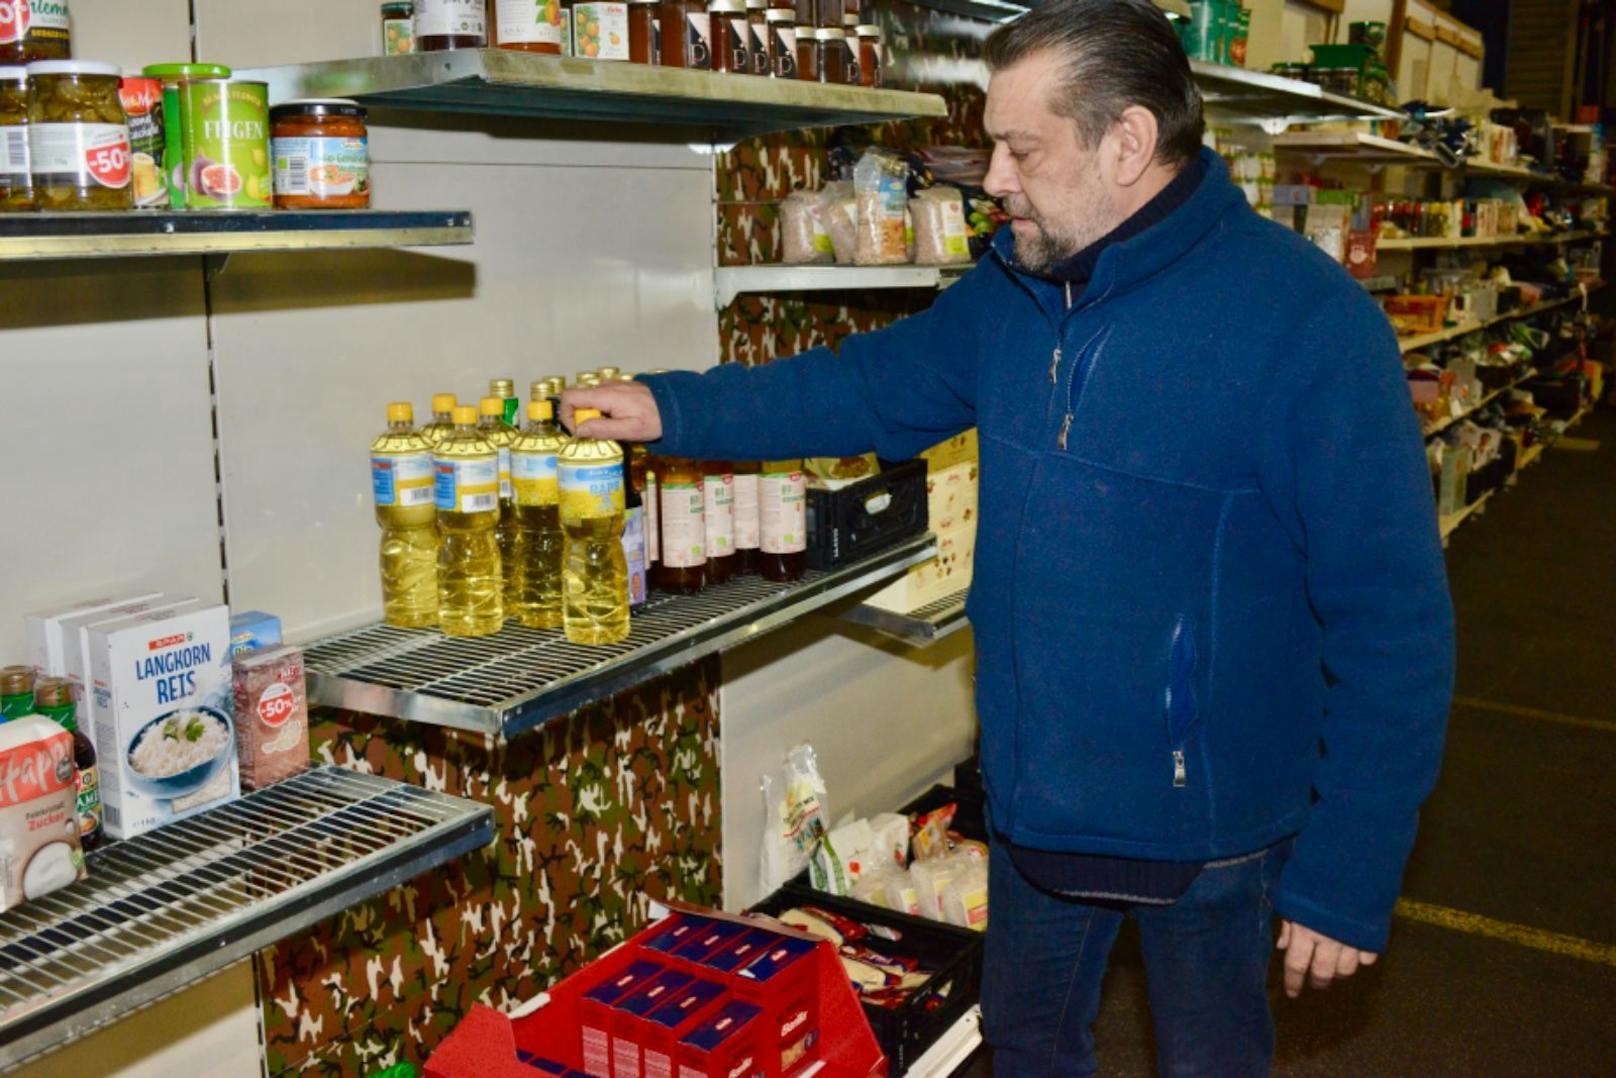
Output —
(1503, 960)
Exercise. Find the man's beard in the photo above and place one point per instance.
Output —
(1046, 246)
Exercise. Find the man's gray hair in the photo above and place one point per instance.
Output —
(1118, 53)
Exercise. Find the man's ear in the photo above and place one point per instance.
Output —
(1134, 138)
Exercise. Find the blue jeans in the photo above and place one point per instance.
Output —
(1206, 967)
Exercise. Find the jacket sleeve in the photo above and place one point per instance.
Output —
(1346, 471)
(895, 392)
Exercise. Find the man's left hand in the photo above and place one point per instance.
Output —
(1316, 959)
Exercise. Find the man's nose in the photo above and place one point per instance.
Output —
(1000, 181)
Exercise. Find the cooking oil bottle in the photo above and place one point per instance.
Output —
(466, 471)
(535, 596)
(443, 406)
(501, 435)
(401, 477)
(595, 572)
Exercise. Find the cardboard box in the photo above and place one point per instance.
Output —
(727, 1045)
(47, 653)
(672, 1022)
(76, 644)
(961, 449)
(596, 1005)
(630, 1020)
(781, 982)
(947, 573)
(951, 495)
(254, 630)
(164, 735)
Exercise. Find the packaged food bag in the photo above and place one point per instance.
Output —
(794, 818)
(804, 240)
(964, 897)
(890, 888)
(272, 716)
(39, 821)
(941, 236)
(933, 880)
(838, 215)
(881, 197)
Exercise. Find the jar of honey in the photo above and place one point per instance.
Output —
(834, 58)
(644, 32)
(869, 56)
(731, 41)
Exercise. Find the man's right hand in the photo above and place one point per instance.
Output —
(628, 412)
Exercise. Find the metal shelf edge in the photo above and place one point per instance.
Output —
(921, 627)
(67, 1018)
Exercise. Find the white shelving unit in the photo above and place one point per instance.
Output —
(1426, 243)
(1425, 340)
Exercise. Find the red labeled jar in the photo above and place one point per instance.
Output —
(320, 149)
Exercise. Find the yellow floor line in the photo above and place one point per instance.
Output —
(1536, 938)
(1535, 713)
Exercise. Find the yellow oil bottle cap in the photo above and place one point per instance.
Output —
(540, 411)
(443, 402)
(465, 415)
(584, 415)
(491, 406)
(401, 412)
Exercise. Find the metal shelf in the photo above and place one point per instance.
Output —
(1419, 243)
(518, 678)
(34, 236)
(672, 102)
(1414, 343)
(731, 281)
(1364, 148)
(1004, 10)
(166, 909)
(1280, 101)
(920, 626)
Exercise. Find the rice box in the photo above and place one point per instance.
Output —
(164, 732)
(43, 631)
(75, 630)
(39, 820)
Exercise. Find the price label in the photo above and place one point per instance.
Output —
(107, 158)
(275, 706)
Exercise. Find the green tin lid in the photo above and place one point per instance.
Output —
(186, 71)
(407, 7)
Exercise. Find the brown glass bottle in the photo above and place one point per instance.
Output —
(53, 698)
(748, 525)
(682, 519)
(441, 25)
(783, 515)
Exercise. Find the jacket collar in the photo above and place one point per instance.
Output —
(1125, 265)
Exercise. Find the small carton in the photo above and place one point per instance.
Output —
(595, 1011)
(662, 1031)
(726, 1045)
(253, 630)
(735, 956)
(715, 935)
(630, 1022)
(76, 642)
(164, 732)
(271, 715)
(39, 822)
(781, 981)
(43, 631)
(677, 928)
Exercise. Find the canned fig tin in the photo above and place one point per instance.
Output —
(173, 158)
(226, 125)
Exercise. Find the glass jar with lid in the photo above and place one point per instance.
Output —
(781, 26)
(686, 34)
(398, 28)
(869, 55)
(644, 32)
(758, 36)
(807, 51)
(16, 184)
(834, 59)
(732, 51)
(46, 32)
(78, 137)
(320, 148)
(442, 25)
(525, 26)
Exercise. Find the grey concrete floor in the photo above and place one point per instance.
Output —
(1521, 829)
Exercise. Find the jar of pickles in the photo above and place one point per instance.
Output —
(36, 31)
(78, 136)
(16, 184)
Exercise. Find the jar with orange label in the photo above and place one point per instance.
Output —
(320, 149)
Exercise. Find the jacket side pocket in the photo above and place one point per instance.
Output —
(1181, 707)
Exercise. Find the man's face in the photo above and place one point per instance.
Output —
(1052, 186)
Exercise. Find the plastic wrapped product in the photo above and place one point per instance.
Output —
(880, 191)
(838, 215)
(941, 237)
(964, 897)
(891, 831)
(39, 825)
(933, 880)
(804, 239)
(794, 818)
(889, 887)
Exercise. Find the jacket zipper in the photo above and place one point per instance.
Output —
(1083, 364)
(1180, 697)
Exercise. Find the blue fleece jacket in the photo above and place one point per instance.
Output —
(1209, 598)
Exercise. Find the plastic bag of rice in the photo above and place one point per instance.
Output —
(941, 238)
(839, 217)
(804, 241)
(881, 196)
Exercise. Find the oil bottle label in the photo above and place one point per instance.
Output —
(591, 490)
(535, 479)
(748, 526)
(684, 526)
(404, 481)
(467, 485)
(720, 506)
(504, 473)
(783, 510)
(653, 519)
(634, 554)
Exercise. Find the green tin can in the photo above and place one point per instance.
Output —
(226, 131)
(1199, 32)
(172, 76)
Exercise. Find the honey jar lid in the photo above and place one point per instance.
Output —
(318, 106)
(92, 68)
(830, 33)
(16, 679)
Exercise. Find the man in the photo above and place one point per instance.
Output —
(1214, 640)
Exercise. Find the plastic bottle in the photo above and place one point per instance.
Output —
(501, 435)
(466, 470)
(748, 525)
(505, 390)
(443, 406)
(594, 571)
(16, 692)
(683, 568)
(535, 597)
(402, 481)
(718, 489)
(642, 477)
(783, 516)
(53, 698)
(634, 542)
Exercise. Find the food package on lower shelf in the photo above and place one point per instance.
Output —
(39, 824)
(164, 733)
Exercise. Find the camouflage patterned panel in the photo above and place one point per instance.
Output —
(755, 329)
(593, 815)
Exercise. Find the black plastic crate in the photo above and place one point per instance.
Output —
(863, 517)
(954, 955)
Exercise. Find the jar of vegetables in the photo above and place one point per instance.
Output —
(37, 31)
(16, 185)
(78, 136)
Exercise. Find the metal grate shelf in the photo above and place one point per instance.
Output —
(920, 626)
(176, 904)
(518, 678)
